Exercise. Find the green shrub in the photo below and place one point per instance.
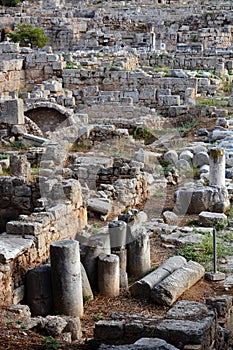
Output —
(27, 34)
(50, 343)
(9, 3)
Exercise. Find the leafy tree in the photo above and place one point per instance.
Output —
(9, 3)
(27, 34)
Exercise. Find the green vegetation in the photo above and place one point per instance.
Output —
(187, 126)
(211, 102)
(6, 171)
(26, 34)
(50, 343)
(18, 144)
(162, 69)
(72, 65)
(203, 252)
(4, 156)
(143, 132)
(227, 86)
(98, 317)
(194, 38)
(86, 298)
(9, 3)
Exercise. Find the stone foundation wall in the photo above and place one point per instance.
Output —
(26, 241)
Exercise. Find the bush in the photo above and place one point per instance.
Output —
(9, 3)
(27, 34)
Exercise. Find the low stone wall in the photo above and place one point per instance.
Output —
(26, 241)
(188, 325)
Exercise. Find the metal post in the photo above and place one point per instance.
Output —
(215, 250)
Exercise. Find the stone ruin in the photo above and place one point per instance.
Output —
(78, 143)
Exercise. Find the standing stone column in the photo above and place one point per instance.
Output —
(109, 275)
(90, 253)
(139, 256)
(66, 277)
(117, 232)
(39, 290)
(217, 167)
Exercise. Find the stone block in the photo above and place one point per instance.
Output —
(210, 219)
(12, 112)
(13, 246)
(195, 199)
(114, 330)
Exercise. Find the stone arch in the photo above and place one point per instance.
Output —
(48, 116)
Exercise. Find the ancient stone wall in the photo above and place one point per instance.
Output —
(27, 240)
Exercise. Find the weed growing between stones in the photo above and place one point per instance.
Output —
(50, 343)
(203, 252)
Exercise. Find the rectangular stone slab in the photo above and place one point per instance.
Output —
(13, 246)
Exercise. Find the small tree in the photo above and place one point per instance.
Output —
(27, 34)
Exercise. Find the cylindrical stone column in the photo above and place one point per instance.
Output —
(139, 256)
(90, 253)
(109, 275)
(117, 232)
(122, 253)
(66, 277)
(217, 167)
(39, 290)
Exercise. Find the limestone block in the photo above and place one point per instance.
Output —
(18, 294)
(200, 159)
(99, 205)
(171, 157)
(144, 286)
(166, 100)
(114, 329)
(195, 199)
(22, 191)
(20, 167)
(169, 290)
(53, 86)
(73, 326)
(73, 192)
(208, 219)
(59, 65)
(12, 112)
(54, 325)
(142, 344)
(7, 47)
(170, 218)
(187, 155)
(18, 130)
(13, 246)
(187, 332)
(147, 93)
(183, 166)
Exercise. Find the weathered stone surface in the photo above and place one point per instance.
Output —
(142, 344)
(211, 219)
(194, 199)
(168, 291)
(170, 218)
(86, 288)
(144, 286)
(12, 246)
